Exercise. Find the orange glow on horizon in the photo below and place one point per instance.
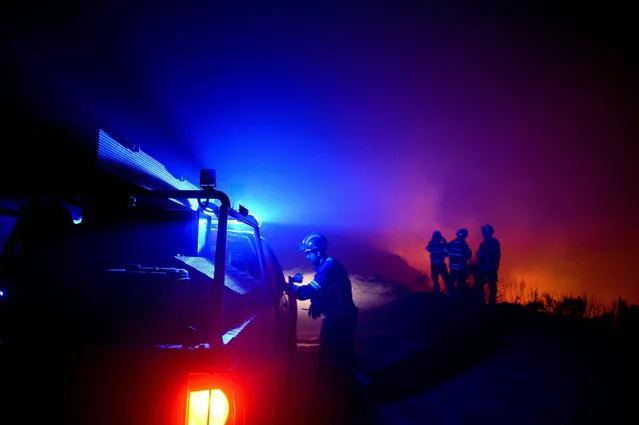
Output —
(552, 273)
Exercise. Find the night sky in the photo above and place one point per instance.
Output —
(386, 119)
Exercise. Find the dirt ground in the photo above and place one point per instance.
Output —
(436, 362)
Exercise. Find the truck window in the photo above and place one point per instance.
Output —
(240, 252)
(243, 256)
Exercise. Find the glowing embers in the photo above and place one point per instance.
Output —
(113, 156)
(236, 280)
(211, 400)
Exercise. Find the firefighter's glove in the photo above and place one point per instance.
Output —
(298, 278)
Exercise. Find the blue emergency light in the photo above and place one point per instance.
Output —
(207, 178)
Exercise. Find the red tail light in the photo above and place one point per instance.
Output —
(212, 400)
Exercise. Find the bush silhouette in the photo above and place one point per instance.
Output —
(618, 312)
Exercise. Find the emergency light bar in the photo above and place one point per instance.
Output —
(208, 179)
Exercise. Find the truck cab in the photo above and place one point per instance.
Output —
(137, 297)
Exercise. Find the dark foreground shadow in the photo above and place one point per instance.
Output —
(456, 339)
(464, 337)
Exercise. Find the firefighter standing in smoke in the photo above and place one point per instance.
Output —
(331, 296)
(438, 253)
(458, 255)
(488, 258)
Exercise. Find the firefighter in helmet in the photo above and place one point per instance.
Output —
(438, 252)
(331, 296)
(458, 255)
(488, 259)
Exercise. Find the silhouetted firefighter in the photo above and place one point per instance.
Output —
(458, 255)
(331, 296)
(438, 253)
(488, 258)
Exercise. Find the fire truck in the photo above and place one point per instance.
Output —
(129, 295)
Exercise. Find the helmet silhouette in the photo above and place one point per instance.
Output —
(462, 233)
(487, 230)
(313, 242)
(437, 235)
